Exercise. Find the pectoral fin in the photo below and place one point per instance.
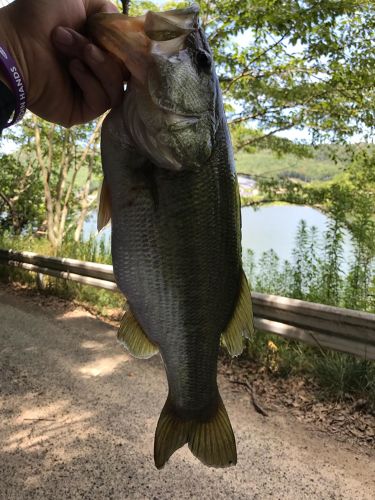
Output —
(241, 324)
(104, 212)
(134, 339)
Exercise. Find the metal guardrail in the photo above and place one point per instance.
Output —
(335, 328)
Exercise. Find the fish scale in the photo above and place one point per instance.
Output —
(183, 258)
(176, 230)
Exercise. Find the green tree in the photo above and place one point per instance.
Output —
(332, 275)
(249, 264)
(21, 199)
(300, 253)
(306, 276)
(287, 63)
(64, 163)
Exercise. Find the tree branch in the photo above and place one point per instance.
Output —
(63, 167)
(265, 136)
(45, 179)
(6, 200)
(125, 6)
(246, 70)
(83, 158)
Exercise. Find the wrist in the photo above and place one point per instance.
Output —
(10, 40)
(16, 84)
(11, 73)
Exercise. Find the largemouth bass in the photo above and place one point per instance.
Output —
(171, 191)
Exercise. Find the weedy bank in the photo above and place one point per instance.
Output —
(314, 274)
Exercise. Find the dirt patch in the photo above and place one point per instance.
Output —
(78, 416)
(347, 420)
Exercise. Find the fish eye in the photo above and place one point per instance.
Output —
(204, 59)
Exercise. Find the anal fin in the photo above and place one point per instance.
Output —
(241, 323)
(134, 339)
(104, 212)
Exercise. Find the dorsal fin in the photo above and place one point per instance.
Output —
(134, 339)
(104, 212)
(241, 324)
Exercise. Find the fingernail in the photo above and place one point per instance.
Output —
(94, 53)
(63, 36)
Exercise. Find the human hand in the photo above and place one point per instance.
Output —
(68, 79)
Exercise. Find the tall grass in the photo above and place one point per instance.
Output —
(93, 250)
(316, 274)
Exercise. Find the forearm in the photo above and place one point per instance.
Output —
(12, 85)
(9, 39)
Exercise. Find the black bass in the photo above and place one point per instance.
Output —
(171, 191)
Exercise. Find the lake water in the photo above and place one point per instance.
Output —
(271, 226)
(275, 226)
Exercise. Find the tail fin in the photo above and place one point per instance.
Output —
(212, 442)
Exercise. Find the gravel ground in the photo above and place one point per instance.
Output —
(77, 421)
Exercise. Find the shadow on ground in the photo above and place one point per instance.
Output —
(77, 420)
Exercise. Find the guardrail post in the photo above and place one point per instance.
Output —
(41, 281)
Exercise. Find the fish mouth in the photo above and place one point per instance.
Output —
(112, 31)
(168, 25)
(134, 40)
(137, 40)
(123, 37)
(179, 121)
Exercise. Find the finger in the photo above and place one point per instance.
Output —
(73, 45)
(110, 72)
(94, 100)
(107, 71)
(69, 42)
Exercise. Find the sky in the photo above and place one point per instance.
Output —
(295, 135)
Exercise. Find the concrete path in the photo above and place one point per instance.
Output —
(77, 421)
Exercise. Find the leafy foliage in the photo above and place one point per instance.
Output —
(264, 163)
(56, 166)
(317, 267)
(316, 272)
(288, 64)
(21, 194)
(291, 64)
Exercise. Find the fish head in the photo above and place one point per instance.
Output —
(171, 104)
